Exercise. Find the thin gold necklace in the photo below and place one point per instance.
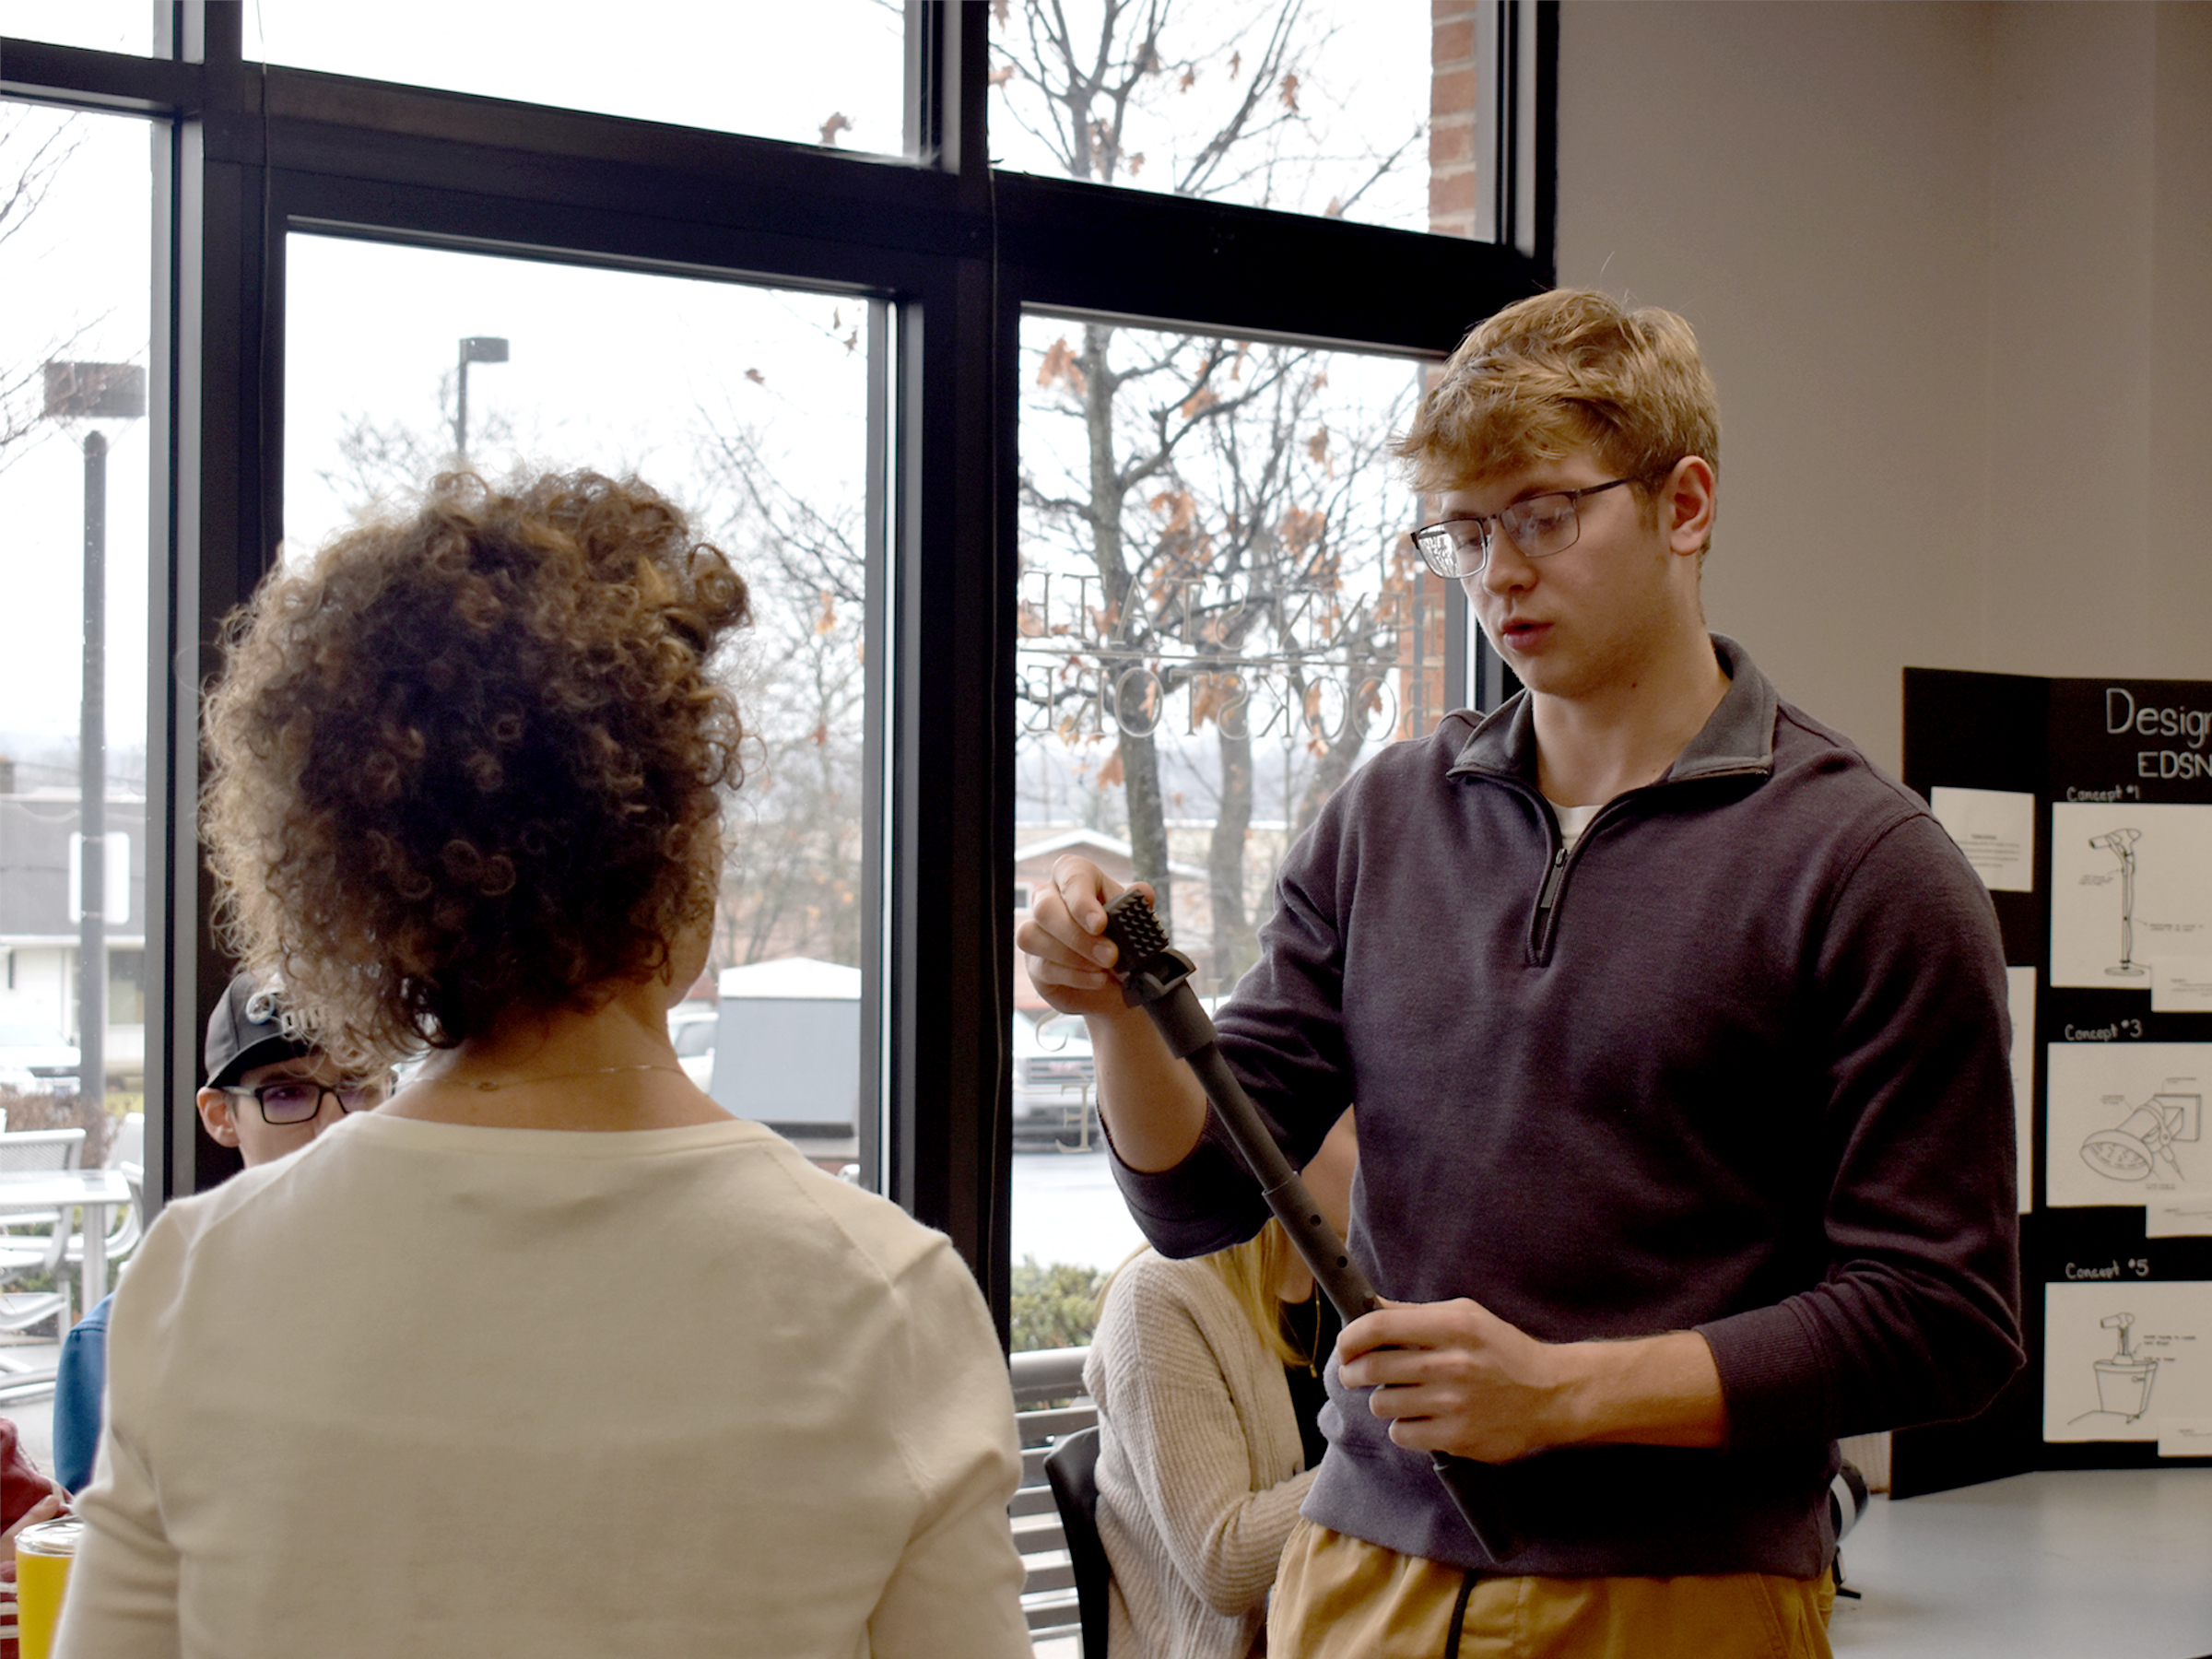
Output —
(599, 1071)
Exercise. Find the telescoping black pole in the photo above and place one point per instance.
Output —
(1156, 979)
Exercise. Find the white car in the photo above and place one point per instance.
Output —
(691, 1027)
(1053, 1082)
(35, 1060)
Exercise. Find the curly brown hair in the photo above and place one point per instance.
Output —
(471, 759)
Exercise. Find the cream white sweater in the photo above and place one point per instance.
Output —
(1199, 1463)
(432, 1390)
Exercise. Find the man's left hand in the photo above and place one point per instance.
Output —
(1454, 1377)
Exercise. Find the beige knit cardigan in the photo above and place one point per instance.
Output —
(1199, 1463)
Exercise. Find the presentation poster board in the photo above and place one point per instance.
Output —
(2086, 807)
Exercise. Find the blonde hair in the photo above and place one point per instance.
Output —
(1250, 1271)
(1568, 370)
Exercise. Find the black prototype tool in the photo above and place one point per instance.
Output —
(1155, 978)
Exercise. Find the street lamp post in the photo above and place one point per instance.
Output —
(475, 349)
(94, 392)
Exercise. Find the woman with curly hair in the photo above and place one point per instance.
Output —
(549, 1354)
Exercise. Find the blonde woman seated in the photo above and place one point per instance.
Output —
(549, 1354)
(1207, 1375)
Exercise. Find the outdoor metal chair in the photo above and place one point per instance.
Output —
(29, 1150)
(19, 1309)
(24, 1248)
(126, 1157)
(127, 1146)
(124, 1230)
(30, 1250)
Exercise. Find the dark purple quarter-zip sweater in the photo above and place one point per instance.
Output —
(1736, 1062)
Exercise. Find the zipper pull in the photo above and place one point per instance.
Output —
(1551, 882)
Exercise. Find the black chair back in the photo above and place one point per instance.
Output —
(1072, 1467)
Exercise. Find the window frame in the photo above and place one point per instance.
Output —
(950, 255)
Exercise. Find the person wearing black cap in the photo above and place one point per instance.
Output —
(267, 1093)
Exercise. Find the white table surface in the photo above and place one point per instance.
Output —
(25, 1192)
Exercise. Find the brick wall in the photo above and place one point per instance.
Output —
(1457, 187)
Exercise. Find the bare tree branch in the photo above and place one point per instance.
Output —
(34, 150)
(393, 461)
(1204, 502)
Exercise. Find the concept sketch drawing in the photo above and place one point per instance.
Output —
(2133, 1148)
(2120, 843)
(2124, 1380)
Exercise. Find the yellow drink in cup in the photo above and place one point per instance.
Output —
(43, 1556)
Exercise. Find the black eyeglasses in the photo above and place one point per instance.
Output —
(1540, 526)
(298, 1099)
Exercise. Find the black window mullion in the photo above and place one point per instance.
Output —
(229, 423)
(1545, 209)
(1172, 262)
(950, 809)
(885, 328)
(40, 72)
(172, 614)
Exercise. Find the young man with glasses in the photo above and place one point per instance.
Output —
(266, 1094)
(1677, 1031)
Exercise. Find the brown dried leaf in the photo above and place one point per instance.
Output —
(1059, 365)
(1180, 506)
(1208, 697)
(1301, 528)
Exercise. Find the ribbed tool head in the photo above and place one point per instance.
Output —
(1134, 927)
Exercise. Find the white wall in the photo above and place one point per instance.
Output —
(1951, 266)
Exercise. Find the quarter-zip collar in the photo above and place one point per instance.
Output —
(1737, 740)
(1737, 737)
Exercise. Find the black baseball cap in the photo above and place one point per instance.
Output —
(246, 1030)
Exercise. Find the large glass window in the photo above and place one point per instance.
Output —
(75, 472)
(851, 390)
(757, 69)
(1309, 106)
(1220, 618)
(748, 406)
(105, 25)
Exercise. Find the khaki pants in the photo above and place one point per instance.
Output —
(1337, 1597)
